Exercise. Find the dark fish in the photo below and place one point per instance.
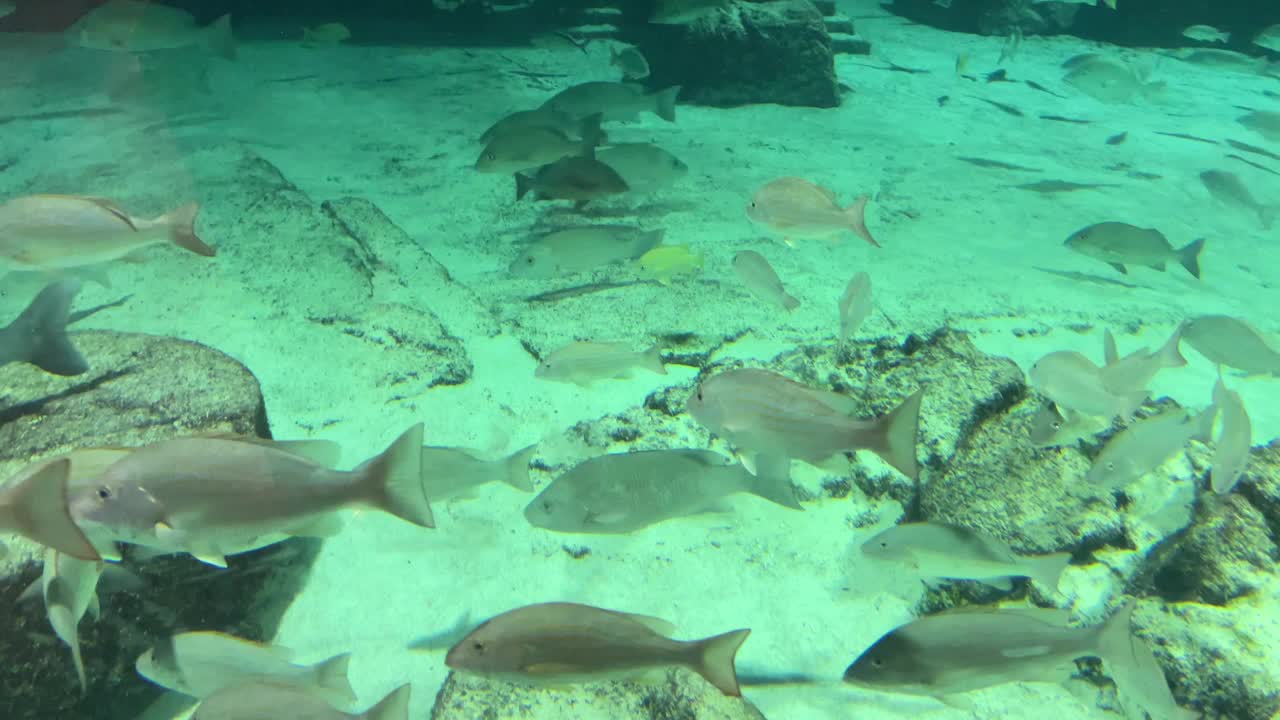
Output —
(1037, 86)
(1117, 138)
(996, 164)
(1251, 163)
(39, 335)
(1086, 277)
(580, 290)
(1184, 136)
(1059, 118)
(580, 179)
(1246, 147)
(1120, 244)
(1057, 186)
(1008, 109)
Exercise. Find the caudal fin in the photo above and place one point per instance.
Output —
(591, 134)
(182, 230)
(664, 103)
(395, 706)
(898, 429)
(1170, 354)
(39, 335)
(856, 213)
(1189, 257)
(394, 480)
(36, 507)
(524, 184)
(1046, 570)
(774, 484)
(653, 360)
(517, 475)
(1139, 678)
(714, 660)
(219, 38)
(331, 679)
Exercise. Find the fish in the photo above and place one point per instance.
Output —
(1074, 383)
(258, 699)
(1268, 38)
(1100, 3)
(580, 179)
(8, 7)
(200, 664)
(1229, 189)
(630, 61)
(797, 208)
(1230, 341)
(777, 419)
(579, 249)
(1135, 371)
(69, 586)
(1053, 427)
(1266, 124)
(855, 305)
(1225, 60)
(664, 263)
(584, 363)
(60, 232)
(758, 276)
(1059, 186)
(1231, 448)
(1120, 244)
(643, 167)
(327, 34)
(560, 40)
(33, 503)
(1109, 81)
(38, 335)
(615, 101)
(532, 147)
(1146, 444)
(234, 495)
(1206, 33)
(449, 473)
(938, 550)
(685, 12)
(561, 643)
(140, 26)
(537, 118)
(625, 492)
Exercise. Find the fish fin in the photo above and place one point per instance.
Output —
(748, 462)
(117, 579)
(777, 467)
(1046, 570)
(1170, 353)
(665, 103)
(773, 483)
(856, 215)
(331, 679)
(524, 184)
(321, 452)
(395, 706)
(33, 591)
(394, 480)
(1115, 637)
(1189, 257)
(43, 328)
(94, 608)
(517, 475)
(789, 302)
(715, 660)
(1159, 267)
(1120, 268)
(591, 134)
(64, 625)
(36, 507)
(898, 430)
(665, 628)
(1002, 584)
(219, 38)
(653, 359)
(210, 557)
(1110, 354)
(956, 701)
(325, 526)
(182, 229)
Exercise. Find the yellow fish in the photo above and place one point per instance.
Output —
(667, 262)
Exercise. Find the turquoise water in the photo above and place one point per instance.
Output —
(367, 279)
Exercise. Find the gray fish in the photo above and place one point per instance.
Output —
(778, 419)
(1073, 382)
(532, 147)
(562, 643)
(1108, 81)
(527, 119)
(1229, 189)
(1135, 371)
(583, 363)
(1054, 427)
(1206, 33)
(260, 699)
(624, 492)
(138, 26)
(212, 497)
(1266, 124)
(39, 335)
(1231, 450)
(614, 101)
(580, 179)
(855, 305)
(455, 472)
(1146, 444)
(579, 249)
(938, 550)
(69, 586)
(1268, 38)
(644, 167)
(630, 61)
(1119, 244)
(759, 277)
(1232, 342)
(34, 504)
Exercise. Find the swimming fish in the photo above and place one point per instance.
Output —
(1120, 244)
(235, 495)
(1108, 81)
(562, 643)
(1054, 427)
(1136, 370)
(624, 492)
(58, 232)
(580, 179)
(1100, 3)
(777, 419)
(455, 472)
(644, 167)
(614, 101)
(537, 118)
(259, 699)
(1230, 341)
(1229, 189)
(327, 34)
(685, 12)
(201, 663)
(7, 7)
(1146, 444)
(532, 147)
(33, 504)
(39, 335)
(797, 208)
(855, 305)
(583, 363)
(630, 61)
(1206, 33)
(938, 550)
(579, 249)
(1074, 383)
(69, 587)
(139, 26)
(1268, 38)
(1231, 449)
(758, 276)
(664, 263)
(1266, 124)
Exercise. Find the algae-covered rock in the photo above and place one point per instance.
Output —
(681, 695)
(1228, 552)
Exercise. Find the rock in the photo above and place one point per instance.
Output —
(140, 389)
(839, 24)
(682, 695)
(849, 44)
(1260, 483)
(1227, 553)
(755, 52)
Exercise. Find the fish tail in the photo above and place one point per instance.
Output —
(42, 329)
(789, 302)
(36, 507)
(182, 229)
(331, 678)
(1115, 637)
(591, 134)
(856, 213)
(395, 482)
(518, 469)
(1047, 570)
(665, 103)
(1110, 354)
(395, 706)
(1170, 353)
(1189, 257)
(1267, 216)
(524, 184)
(219, 38)
(653, 359)
(773, 483)
(715, 660)
(898, 430)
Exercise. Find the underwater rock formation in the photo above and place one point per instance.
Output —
(1227, 553)
(682, 694)
(140, 389)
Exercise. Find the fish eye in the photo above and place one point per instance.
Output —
(529, 260)
(488, 156)
(104, 493)
(1057, 424)
(478, 647)
(884, 544)
(877, 663)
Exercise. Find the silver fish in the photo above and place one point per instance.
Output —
(758, 276)
(579, 249)
(532, 147)
(855, 305)
(938, 550)
(1121, 244)
(1135, 371)
(260, 699)
(1231, 450)
(525, 119)
(584, 363)
(1053, 427)
(139, 26)
(1073, 382)
(1229, 189)
(1206, 33)
(630, 61)
(39, 335)
(455, 472)
(644, 167)
(1230, 341)
(34, 504)
(69, 586)
(614, 101)
(1146, 444)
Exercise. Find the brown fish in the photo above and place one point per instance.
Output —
(580, 179)
(531, 147)
(525, 119)
(559, 643)
(797, 208)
